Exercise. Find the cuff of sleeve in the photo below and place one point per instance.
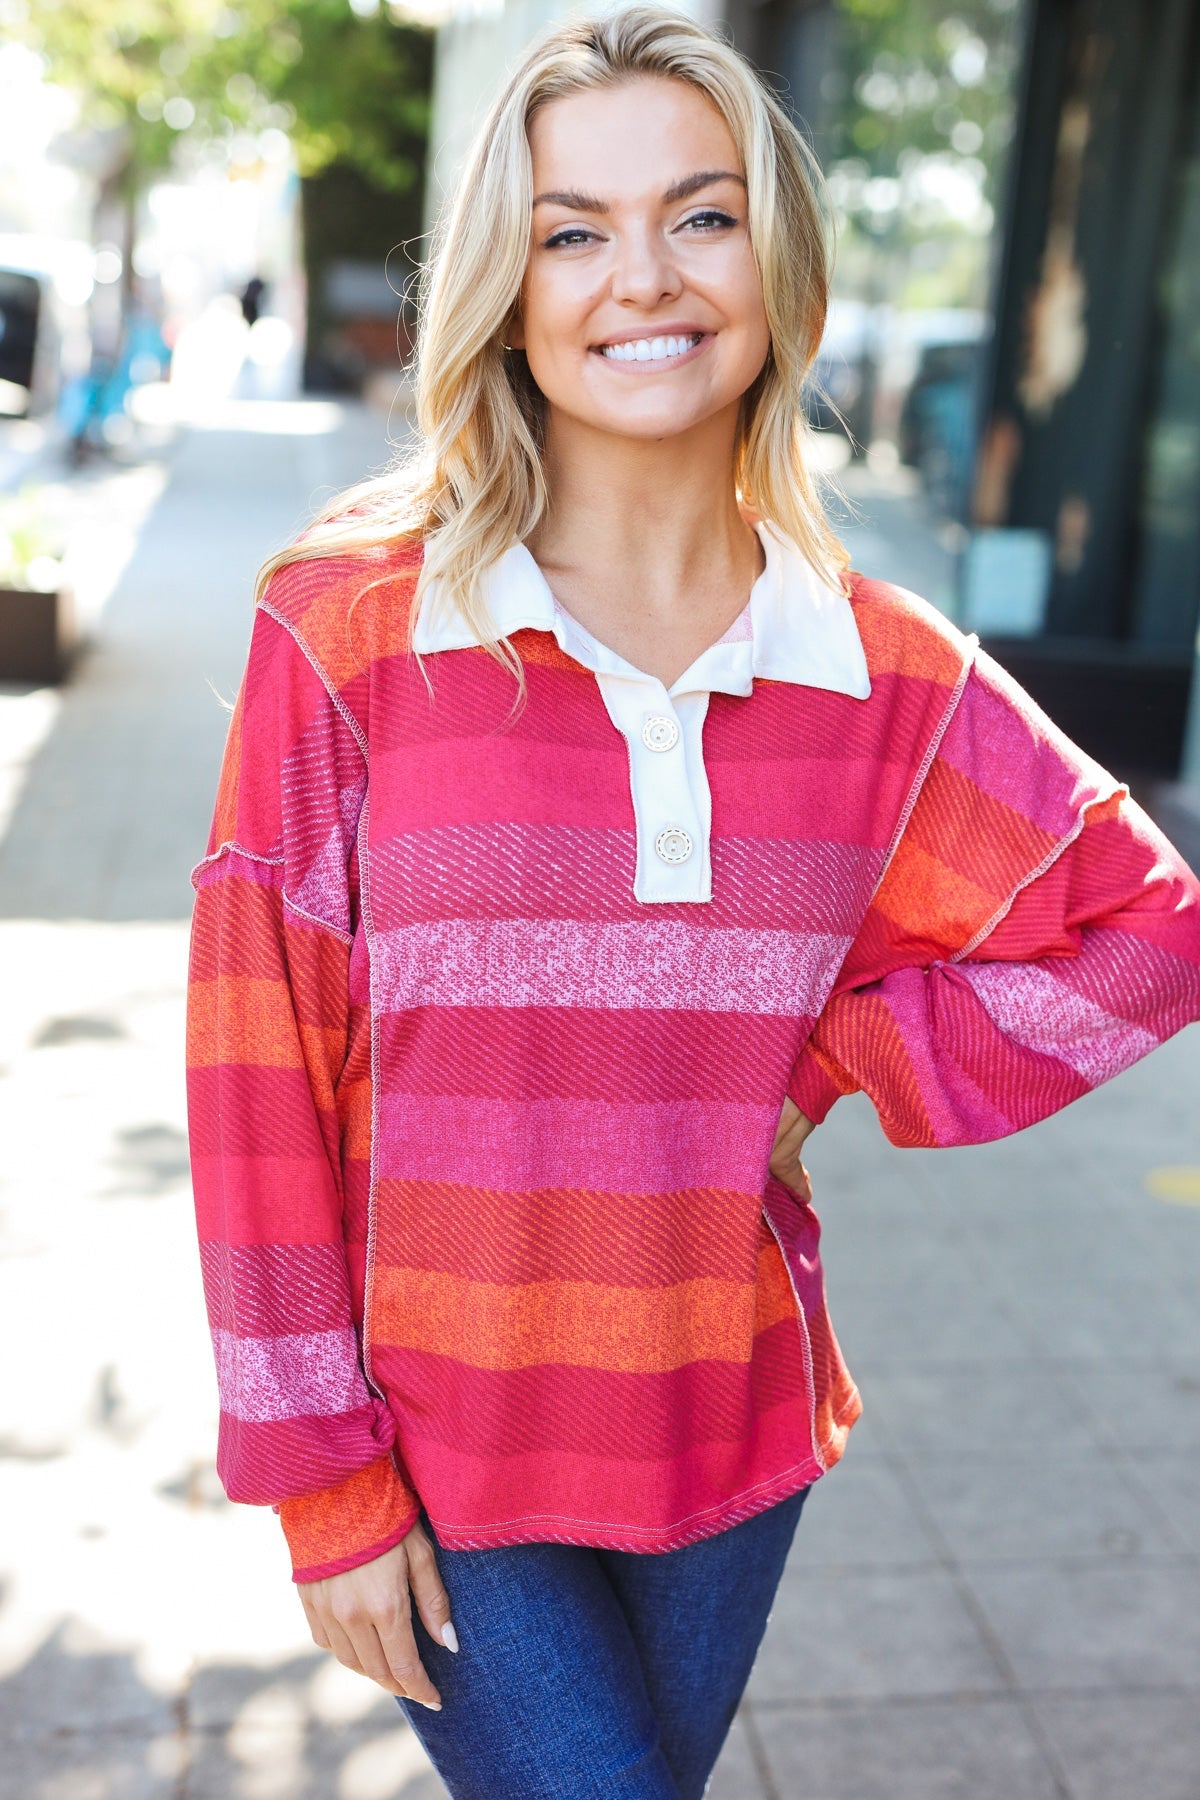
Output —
(811, 1087)
(352, 1522)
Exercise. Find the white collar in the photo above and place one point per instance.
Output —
(802, 630)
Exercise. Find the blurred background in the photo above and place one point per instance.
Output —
(211, 219)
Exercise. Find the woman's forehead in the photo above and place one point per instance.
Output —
(596, 138)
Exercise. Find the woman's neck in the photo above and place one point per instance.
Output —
(644, 543)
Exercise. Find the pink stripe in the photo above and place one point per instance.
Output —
(270, 1378)
(452, 782)
(798, 797)
(567, 962)
(664, 1147)
(504, 871)
(1038, 1010)
(997, 742)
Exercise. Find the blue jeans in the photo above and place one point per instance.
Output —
(597, 1672)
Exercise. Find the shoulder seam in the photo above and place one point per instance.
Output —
(322, 675)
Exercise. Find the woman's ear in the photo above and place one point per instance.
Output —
(513, 337)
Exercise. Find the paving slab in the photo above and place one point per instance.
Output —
(285, 1763)
(1171, 1480)
(1094, 1624)
(736, 1775)
(1141, 1403)
(1025, 1407)
(929, 1750)
(871, 1634)
(987, 1507)
(860, 1516)
(1126, 1747)
(94, 1763)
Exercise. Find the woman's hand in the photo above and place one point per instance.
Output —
(364, 1616)
(794, 1126)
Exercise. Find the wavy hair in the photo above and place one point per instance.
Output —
(475, 483)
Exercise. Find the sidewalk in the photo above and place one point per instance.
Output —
(993, 1598)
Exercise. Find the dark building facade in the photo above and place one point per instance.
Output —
(1084, 521)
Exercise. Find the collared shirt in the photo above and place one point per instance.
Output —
(481, 1140)
(794, 627)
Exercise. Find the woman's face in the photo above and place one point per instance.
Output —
(641, 311)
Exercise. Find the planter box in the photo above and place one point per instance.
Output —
(37, 634)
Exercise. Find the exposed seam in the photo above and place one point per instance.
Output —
(805, 1342)
(708, 1512)
(336, 931)
(273, 862)
(233, 848)
(931, 750)
(1051, 857)
(323, 677)
(364, 879)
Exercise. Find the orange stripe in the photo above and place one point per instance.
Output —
(242, 1019)
(582, 1323)
(351, 1516)
(920, 890)
(897, 642)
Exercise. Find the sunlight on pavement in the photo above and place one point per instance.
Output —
(383, 1767)
(26, 721)
(126, 1578)
(160, 402)
(1180, 1184)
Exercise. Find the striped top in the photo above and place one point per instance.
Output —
(480, 1140)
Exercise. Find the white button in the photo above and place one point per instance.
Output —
(673, 844)
(660, 733)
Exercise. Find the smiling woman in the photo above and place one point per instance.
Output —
(508, 1021)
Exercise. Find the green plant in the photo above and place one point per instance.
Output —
(31, 549)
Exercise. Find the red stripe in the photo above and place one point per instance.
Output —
(564, 1233)
(561, 1052)
(591, 1412)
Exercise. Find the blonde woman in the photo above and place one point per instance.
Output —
(585, 830)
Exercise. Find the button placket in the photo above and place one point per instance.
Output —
(668, 819)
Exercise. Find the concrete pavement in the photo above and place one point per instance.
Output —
(993, 1598)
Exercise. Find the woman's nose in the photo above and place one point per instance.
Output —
(644, 272)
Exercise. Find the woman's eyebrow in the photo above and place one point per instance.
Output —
(680, 190)
(691, 184)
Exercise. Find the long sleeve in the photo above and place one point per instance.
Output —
(1034, 934)
(278, 1078)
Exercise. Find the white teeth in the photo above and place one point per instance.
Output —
(659, 349)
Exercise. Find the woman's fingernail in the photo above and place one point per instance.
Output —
(433, 1705)
(450, 1637)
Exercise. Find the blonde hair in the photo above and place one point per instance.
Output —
(475, 485)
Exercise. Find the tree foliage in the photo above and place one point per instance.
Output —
(911, 73)
(347, 86)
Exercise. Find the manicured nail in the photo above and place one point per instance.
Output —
(450, 1637)
(433, 1705)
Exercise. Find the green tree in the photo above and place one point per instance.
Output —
(350, 85)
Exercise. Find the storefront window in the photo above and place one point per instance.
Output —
(1167, 579)
(914, 116)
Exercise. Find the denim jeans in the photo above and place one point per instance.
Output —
(597, 1672)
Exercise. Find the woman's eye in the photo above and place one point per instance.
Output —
(570, 234)
(711, 219)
